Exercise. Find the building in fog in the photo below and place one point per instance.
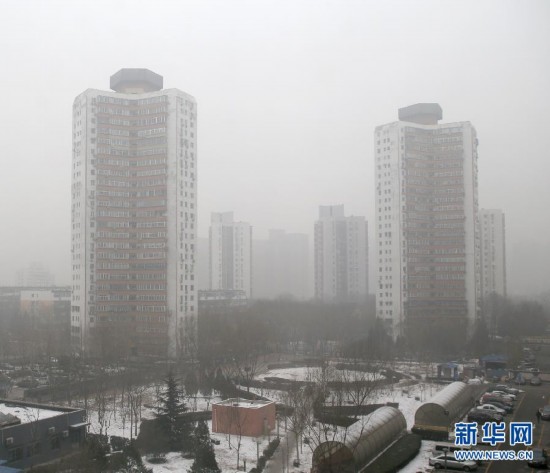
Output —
(280, 266)
(340, 256)
(134, 214)
(222, 302)
(48, 304)
(427, 237)
(45, 314)
(230, 253)
(35, 275)
(203, 263)
(493, 252)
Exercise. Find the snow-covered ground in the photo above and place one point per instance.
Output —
(419, 464)
(409, 398)
(226, 454)
(315, 373)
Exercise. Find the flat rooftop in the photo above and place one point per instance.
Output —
(237, 402)
(27, 413)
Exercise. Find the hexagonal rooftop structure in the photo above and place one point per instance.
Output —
(136, 81)
(421, 113)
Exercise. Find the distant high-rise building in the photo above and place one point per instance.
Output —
(134, 214)
(493, 252)
(426, 220)
(203, 263)
(230, 253)
(280, 266)
(341, 256)
(35, 275)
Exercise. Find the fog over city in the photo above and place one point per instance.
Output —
(288, 96)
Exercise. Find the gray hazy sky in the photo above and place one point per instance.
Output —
(288, 93)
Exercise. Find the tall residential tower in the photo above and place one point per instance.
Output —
(134, 213)
(280, 266)
(493, 252)
(427, 230)
(340, 256)
(230, 254)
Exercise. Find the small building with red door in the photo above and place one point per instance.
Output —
(243, 417)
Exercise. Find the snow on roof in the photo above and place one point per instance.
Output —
(28, 413)
(238, 402)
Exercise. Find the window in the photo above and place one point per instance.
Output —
(15, 454)
(54, 442)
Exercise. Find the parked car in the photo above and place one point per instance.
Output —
(535, 381)
(539, 459)
(509, 409)
(482, 416)
(512, 397)
(448, 460)
(495, 397)
(491, 408)
(545, 412)
(507, 389)
(441, 447)
(520, 380)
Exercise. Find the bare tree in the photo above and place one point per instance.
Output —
(300, 404)
(352, 387)
(237, 419)
(101, 399)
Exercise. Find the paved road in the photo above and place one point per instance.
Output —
(283, 456)
(526, 408)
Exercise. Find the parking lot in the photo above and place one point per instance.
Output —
(526, 408)
(525, 411)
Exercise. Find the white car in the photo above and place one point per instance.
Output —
(491, 408)
(512, 397)
(447, 460)
(508, 389)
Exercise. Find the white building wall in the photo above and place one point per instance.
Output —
(230, 253)
(341, 255)
(391, 217)
(493, 252)
(473, 284)
(242, 257)
(181, 203)
(390, 286)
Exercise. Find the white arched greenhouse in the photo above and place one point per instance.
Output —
(362, 442)
(437, 416)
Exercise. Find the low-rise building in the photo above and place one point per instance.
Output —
(243, 417)
(31, 434)
(222, 301)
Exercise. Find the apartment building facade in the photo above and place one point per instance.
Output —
(281, 266)
(340, 256)
(230, 254)
(493, 252)
(134, 214)
(427, 232)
